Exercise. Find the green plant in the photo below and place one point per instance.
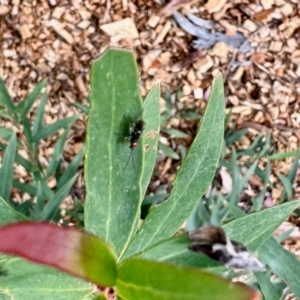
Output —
(141, 261)
(43, 202)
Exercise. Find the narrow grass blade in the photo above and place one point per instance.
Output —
(53, 204)
(38, 119)
(53, 128)
(24, 107)
(5, 98)
(7, 169)
(57, 154)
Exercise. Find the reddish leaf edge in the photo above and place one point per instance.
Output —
(78, 253)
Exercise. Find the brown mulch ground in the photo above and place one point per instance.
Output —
(58, 40)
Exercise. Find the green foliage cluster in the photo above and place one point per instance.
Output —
(151, 262)
(26, 135)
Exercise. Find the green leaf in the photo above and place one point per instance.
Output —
(72, 168)
(192, 180)
(113, 189)
(38, 208)
(7, 169)
(254, 229)
(8, 214)
(147, 280)
(53, 204)
(57, 153)
(25, 187)
(266, 286)
(175, 251)
(282, 262)
(24, 107)
(5, 98)
(233, 137)
(38, 119)
(27, 281)
(75, 252)
(292, 175)
(282, 155)
(176, 133)
(6, 133)
(168, 151)
(82, 107)
(151, 117)
(288, 188)
(53, 128)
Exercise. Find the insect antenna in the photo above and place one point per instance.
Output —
(130, 156)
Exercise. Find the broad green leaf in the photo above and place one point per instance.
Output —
(24, 107)
(192, 180)
(75, 252)
(175, 251)
(38, 119)
(151, 117)
(282, 262)
(8, 214)
(27, 281)
(48, 130)
(55, 201)
(7, 168)
(72, 169)
(148, 280)
(57, 153)
(113, 171)
(254, 229)
(5, 98)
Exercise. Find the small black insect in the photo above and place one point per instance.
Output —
(135, 134)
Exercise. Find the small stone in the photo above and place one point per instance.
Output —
(4, 10)
(153, 21)
(198, 93)
(124, 28)
(287, 9)
(25, 32)
(84, 24)
(250, 26)
(220, 49)
(276, 46)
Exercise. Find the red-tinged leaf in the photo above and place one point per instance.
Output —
(75, 252)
